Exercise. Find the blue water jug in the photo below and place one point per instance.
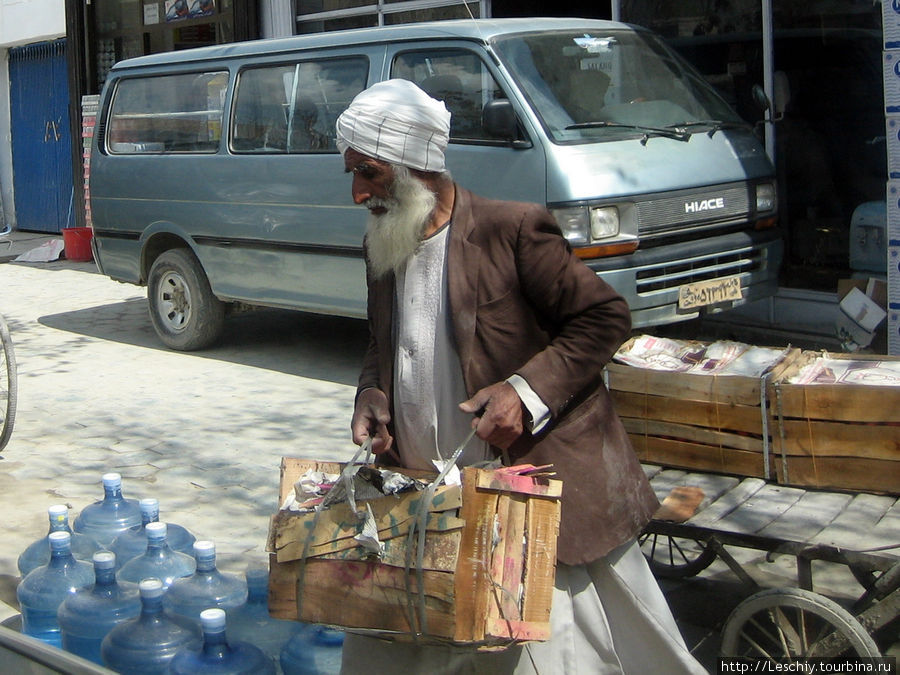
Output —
(147, 644)
(158, 560)
(38, 553)
(206, 588)
(106, 519)
(251, 621)
(314, 651)
(133, 542)
(86, 616)
(220, 655)
(43, 589)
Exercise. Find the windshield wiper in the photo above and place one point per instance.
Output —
(647, 132)
(714, 126)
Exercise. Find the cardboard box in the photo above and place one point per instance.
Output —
(890, 21)
(857, 320)
(488, 564)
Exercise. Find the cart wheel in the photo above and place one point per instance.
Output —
(791, 622)
(675, 557)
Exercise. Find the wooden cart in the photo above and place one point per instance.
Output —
(859, 530)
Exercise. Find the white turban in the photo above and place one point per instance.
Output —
(396, 122)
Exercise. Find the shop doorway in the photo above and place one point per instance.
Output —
(41, 137)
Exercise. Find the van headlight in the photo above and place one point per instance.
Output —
(583, 225)
(765, 197)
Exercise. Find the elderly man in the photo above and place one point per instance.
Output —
(480, 315)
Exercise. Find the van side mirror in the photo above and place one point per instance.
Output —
(499, 119)
(760, 100)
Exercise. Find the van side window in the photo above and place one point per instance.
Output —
(167, 113)
(292, 108)
(457, 77)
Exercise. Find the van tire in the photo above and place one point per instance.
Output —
(185, 313)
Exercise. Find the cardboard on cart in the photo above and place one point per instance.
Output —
(487, 566)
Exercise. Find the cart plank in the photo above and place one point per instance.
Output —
(728, 503)
(853, 528)
(808, 516)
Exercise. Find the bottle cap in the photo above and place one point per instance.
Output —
(58, 513)
(151, 587)
(59, 540)
(156, 530)
(204, 549)
(104, 560)
(213, 620)
(149, 506)
(112, 479)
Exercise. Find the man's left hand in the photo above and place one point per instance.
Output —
(498, 414)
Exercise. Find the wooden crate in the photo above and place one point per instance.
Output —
(487, 574)
(695, 421)
(837, 436)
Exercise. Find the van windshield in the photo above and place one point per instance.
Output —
(612, 84)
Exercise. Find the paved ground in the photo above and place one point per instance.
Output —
(204, 432)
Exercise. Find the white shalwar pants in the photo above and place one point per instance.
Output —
(607, 617)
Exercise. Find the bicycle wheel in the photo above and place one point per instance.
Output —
(8, 386)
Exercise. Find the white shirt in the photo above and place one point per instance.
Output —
(428, 379)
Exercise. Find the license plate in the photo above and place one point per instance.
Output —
(711, 292)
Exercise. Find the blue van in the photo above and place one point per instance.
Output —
(215, 180)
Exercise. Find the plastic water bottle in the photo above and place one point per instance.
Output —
(314, 651)
(104, 520)
(219, 655)
(42, 591)
(157, 560)
(148, 643)
(86, 616)
(38, 553)
(251, 621)
(206, 588)
(133, 542)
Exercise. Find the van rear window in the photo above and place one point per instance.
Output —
(293, 107)
(167, 113)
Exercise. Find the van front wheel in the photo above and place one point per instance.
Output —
(183, 309)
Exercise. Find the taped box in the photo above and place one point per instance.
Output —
(484, 577)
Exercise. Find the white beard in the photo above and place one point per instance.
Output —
(394, 236)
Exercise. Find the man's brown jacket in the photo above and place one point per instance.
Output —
(523, 303)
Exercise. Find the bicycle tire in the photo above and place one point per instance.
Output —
(8, 385)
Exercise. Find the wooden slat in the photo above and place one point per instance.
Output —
(853, 527)
(728, 503)
(841, 473)
(762, 508)
(359, 595)
(696, 456)
(724, 389)
(473, 574)
(808, 516)
(687, 432)
(887, 530)
(839, 439)
(506, 566)
(542, 520)
(713, 415)
(713, 486)
(844, 402)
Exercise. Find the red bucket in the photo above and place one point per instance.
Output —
(78, 243)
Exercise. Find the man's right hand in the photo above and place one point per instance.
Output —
(370, 418)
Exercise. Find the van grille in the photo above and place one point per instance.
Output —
(671, 275)
(690, 209)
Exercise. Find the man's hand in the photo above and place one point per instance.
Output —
(500, 421)
(370, 418)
